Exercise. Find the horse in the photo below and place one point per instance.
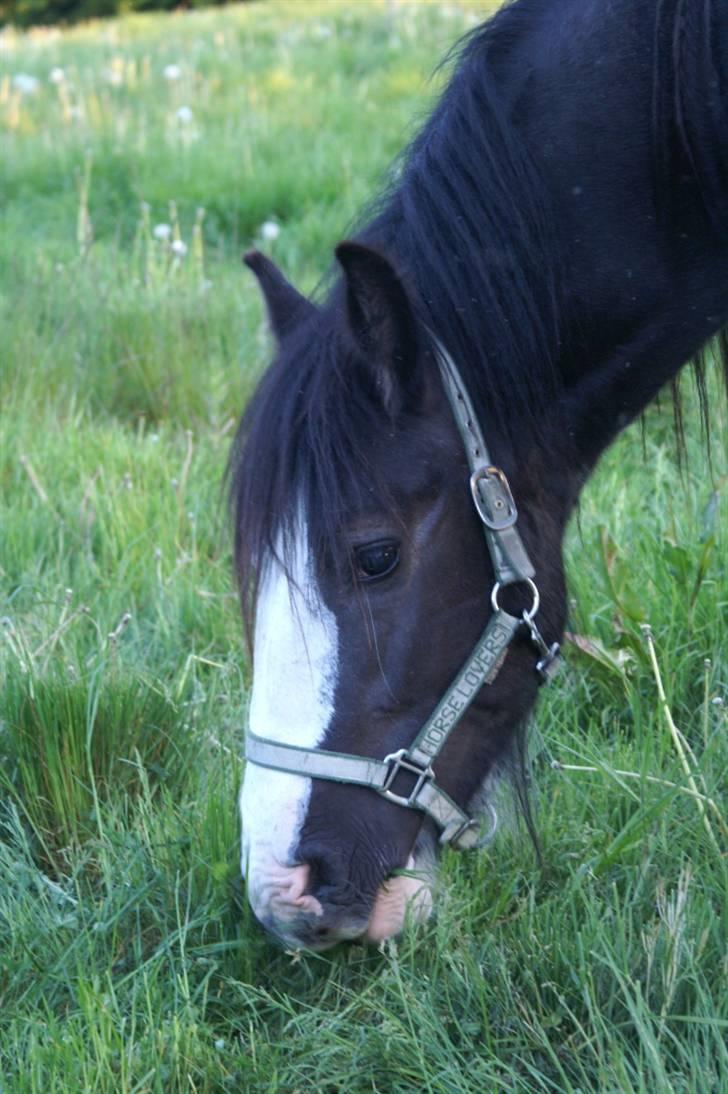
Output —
(548, 253)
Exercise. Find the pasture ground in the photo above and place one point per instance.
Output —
(128, 959)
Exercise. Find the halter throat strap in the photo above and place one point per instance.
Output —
(497, 511)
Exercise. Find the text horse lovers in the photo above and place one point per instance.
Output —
(551, 250)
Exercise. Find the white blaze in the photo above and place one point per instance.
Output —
(295, 663)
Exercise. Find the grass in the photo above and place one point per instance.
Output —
(128, 959)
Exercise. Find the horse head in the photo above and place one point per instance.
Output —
(363, 561)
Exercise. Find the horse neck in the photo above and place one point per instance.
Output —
(629, 149)
(644, 234)
(566, 234)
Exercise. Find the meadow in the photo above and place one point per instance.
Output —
(140, 156)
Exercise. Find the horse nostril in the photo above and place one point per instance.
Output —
(325, 872)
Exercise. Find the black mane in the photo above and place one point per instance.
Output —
(469, 223)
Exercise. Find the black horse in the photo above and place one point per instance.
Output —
(557, 235)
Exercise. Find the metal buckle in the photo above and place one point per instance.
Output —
(502, 500)
(400, 763)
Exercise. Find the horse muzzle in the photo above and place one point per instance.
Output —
(305, 914)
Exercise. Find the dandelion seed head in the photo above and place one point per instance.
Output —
(162, 231)
(270, 230)
(179, 249)
(184, 115)
(172, 72)
(25, 84)
(56, 75)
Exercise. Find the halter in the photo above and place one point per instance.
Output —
(496, 508)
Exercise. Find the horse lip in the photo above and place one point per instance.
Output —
(307, 934)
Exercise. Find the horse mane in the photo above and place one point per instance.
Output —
(689, 121)
(468, 222)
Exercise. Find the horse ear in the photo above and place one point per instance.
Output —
(286, 306)
(380, 315)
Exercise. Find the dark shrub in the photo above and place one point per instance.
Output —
(27, 13)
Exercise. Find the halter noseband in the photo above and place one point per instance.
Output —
(497, 510)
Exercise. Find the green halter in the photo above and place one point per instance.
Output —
(497, 510)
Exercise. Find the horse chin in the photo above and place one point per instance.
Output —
(407, 896)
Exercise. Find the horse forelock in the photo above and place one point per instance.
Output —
(302, 458)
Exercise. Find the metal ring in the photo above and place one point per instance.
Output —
(528, 616)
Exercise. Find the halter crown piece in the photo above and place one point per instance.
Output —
(496, 508)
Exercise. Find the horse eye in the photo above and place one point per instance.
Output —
(374, 560)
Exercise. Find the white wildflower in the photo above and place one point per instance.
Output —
(179, 248)
(25, 84)
(270, 230)
(56, 75)
(172, 72)
(162, 231)
(184, 115)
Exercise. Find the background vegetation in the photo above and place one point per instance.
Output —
(139, 157)
(28, 13)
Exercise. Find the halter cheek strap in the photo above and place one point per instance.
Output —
(497, 510)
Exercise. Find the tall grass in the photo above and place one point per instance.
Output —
(150, 152)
